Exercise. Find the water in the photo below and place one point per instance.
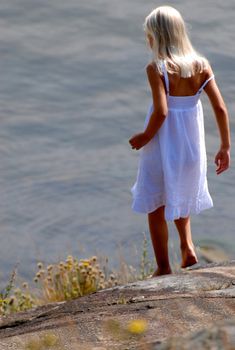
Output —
(73, 90)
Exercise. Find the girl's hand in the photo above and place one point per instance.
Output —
(222, 160)
(139, 140)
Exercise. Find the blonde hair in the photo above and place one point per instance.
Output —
(171, 43)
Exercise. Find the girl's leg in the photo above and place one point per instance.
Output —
(159, 235)
(186, 244)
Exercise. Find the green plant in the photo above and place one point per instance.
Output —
(5, 300)
(146, 265)
(71, 279)
(47, 341)
(134, 328)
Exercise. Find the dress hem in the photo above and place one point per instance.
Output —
(175, 212)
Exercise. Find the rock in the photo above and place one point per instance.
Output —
(212, 253)
(188, 301)
(220, 335)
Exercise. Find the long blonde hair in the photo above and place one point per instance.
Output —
(170, 42)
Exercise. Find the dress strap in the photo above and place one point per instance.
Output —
(165, 77)
(204, 84)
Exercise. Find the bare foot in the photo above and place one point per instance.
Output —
(160, 272)
(189, 257)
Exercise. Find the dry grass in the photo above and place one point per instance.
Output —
(70, 279)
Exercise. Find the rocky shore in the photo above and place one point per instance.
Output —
(191, 309)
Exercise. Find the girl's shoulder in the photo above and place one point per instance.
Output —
(203, 68)
(208, 71)
(153, 73)
(151, 67)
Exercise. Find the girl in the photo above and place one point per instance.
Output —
(171, 181)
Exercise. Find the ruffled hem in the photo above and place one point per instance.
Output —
(175, 212)
(148, 204)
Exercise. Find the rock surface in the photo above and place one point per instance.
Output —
(219, 336)
(172, 305)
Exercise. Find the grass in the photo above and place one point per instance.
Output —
(70, 279)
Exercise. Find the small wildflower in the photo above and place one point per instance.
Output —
(35, 279)
(94, 260)
(75, 293)
(49, 268)
(74, 280)
(109, 284)
(25, 285)
(137, 326)
(40, 265)
(17, 291)
(95, 271)
(69, 262)
(38, 274)
(50, 340)
(93, 277)
(85, 262)
(50, 290)
(12, 300)
(112, 277)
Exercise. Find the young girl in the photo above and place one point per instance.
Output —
(171, 181)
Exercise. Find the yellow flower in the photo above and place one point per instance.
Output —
(85, 262)
(137, 326)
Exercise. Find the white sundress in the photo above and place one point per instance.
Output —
(173, 164)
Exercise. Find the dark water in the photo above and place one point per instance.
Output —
(73, 90)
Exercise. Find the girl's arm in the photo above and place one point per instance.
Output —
(222, 158)
(159, 109)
